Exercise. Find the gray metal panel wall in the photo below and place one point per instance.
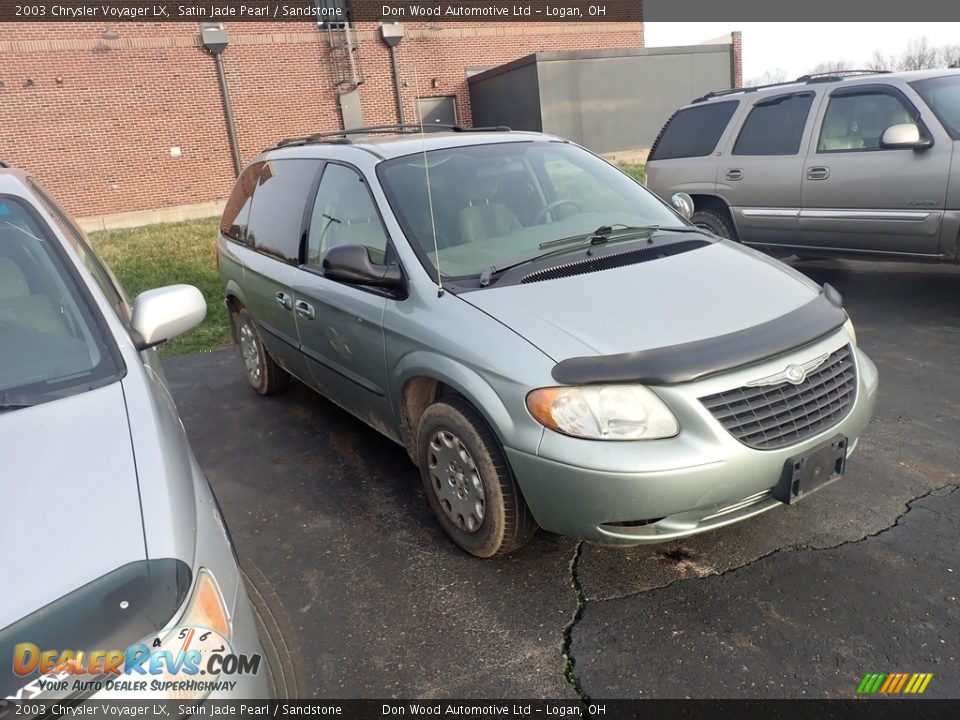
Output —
(510, 98)
(605, 100)
(614, 103)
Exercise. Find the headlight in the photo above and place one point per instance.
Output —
(206, 611)
(848, 326)
(603, 412)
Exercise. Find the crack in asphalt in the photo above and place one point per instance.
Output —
(570, 662)
(788, 548)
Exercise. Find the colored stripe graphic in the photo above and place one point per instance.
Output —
(894, 683)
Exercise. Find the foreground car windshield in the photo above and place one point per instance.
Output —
(496, 204)
(50, 344)
(943, 95)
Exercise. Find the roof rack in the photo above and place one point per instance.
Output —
(343, 136)
(810, 79)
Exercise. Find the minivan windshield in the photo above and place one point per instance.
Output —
(496, 204)
(942, 94)
(50, 342)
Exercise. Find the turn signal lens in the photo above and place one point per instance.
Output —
(603, 412)
(206, 608)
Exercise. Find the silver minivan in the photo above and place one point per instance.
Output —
(552, 344)
(848, 163)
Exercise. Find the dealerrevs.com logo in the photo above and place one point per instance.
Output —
(186, 659)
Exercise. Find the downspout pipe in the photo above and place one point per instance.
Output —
(392, 33)
(213, 36)
(396, 84)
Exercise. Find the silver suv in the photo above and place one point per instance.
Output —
(851, 162)
(552, 344)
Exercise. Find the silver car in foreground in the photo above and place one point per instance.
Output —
(551, 343)
(111, 536)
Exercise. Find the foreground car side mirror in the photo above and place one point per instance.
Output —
(164, 313)
(683, 204)
(905, 135)
(352, 264)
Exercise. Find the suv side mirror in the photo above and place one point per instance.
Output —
(683, 204)
(352, 264)
(164, 313)
(906, 135)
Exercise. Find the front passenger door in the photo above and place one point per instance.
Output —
(860, 196)
(340, 325)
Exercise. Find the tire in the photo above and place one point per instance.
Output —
(282, 655)
(715, 222)
(485, 517)
(264, 375)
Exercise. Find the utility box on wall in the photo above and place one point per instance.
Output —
(605, 100)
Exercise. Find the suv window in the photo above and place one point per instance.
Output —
(280, 197)
(856, 120)
(775, 126)
(694, 131)
(236, 213)
(344, 214)
(942, 94)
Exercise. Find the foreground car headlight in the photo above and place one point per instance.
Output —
(603, 412)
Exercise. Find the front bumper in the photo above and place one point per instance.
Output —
(630, 493)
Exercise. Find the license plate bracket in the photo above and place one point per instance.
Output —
(808, 472)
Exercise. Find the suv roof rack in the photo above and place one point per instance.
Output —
(343, 136)
(810, 79)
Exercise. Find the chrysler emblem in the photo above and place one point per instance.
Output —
(793, 373)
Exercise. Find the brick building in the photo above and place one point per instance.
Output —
(120, 120)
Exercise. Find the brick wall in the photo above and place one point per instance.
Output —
(95, 118)
(736, 69)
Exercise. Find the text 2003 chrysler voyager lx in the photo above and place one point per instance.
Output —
(594, 364)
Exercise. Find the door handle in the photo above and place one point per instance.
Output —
(818, 173)
(304, 310)
(284, 300)
(734, 174)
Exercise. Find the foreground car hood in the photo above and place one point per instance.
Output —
(711, 291)
(69, 492)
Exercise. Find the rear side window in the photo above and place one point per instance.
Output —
(279, 203)
(236, 213)
(693, 131)
(775, 126)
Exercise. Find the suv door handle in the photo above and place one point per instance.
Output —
(818, 173)
(304, 310)
(284, 300)
(734, 174)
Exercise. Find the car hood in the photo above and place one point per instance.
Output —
(704, 293)
(68, 484)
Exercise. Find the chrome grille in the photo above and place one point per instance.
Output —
(767, 417)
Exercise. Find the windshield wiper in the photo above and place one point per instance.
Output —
(598, 237)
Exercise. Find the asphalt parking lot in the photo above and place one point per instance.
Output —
(863, 576)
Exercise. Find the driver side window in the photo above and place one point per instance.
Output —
(856, 122)
(344, 214)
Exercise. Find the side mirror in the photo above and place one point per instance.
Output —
(164, 313)
(906, 135)
(683, 204)
(352, 264)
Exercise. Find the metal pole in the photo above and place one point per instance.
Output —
(396, 84)
(228, 111)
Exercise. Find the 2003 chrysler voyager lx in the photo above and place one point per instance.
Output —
(553, 345)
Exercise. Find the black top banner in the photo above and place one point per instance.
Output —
(118, 11)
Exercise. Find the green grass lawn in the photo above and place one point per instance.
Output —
(154, 255)
(635, 170)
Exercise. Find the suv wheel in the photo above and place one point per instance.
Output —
(715, 222)
(264, 374)
(469, 484)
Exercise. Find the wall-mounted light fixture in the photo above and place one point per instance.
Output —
(435, 83)
(109, 34)
(29, 82)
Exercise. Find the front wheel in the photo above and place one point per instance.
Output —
(469, 484)
(715, 222)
